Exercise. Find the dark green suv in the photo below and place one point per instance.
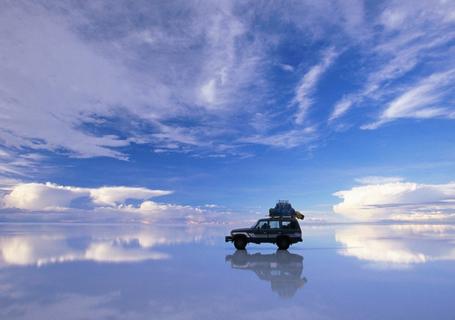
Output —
(283, 231)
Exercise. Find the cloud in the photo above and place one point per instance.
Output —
(398, 201)
(51, 202)
(341, 107)
(408, 37)
(287, 139)
(50, 197)
(427, 99)
(67, 79)
(90, 81)
(308, 83)
(378, 180)
(115, 195)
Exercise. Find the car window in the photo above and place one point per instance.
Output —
(289, 224)
(263, 224)
(274, 224)
(286, 224)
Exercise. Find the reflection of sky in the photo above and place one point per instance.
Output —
(128, 245)
(190, 273)
(398, 245)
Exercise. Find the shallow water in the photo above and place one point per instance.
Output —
(149, 272)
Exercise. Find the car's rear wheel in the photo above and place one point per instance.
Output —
(240, 243)
(282, 243)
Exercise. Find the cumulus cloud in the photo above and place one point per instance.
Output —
(115, 195)
(398, 201)
(41, 202)
(50, 196)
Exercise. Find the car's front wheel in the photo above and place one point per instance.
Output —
(282, 243)
(240, 243)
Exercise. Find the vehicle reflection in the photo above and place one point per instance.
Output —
(282, 269)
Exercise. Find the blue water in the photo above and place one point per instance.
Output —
(164, 272)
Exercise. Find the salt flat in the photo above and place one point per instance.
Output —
(357, 271)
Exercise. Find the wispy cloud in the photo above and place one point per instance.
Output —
(378, 180)
(405, 42)
(96, 80)
(307, 85)
(287, 139)
(427, 99)
(65, 82)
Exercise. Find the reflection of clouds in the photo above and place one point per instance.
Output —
(282, 269)
(398, 245)
(129, 246)
(46, 250)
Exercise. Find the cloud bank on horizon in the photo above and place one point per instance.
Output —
(394, 199)
(52, 198)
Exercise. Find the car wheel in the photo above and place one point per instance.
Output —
(240, 243)
(282, 243)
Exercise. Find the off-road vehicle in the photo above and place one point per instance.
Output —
(283, 231)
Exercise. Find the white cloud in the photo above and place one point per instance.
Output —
(421, 101)
(65, 76)
(103, 204)
(116, 195)
(38, 196)
(341, 107)
(411, 34)
(208, 92)
(49, 196)
(287, 67)
(398, 201)
(378, 180)
(287, 139)
(193, 77)
(307, 85)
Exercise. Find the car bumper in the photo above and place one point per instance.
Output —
(227, 238)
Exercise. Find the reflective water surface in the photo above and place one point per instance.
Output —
(171, 272)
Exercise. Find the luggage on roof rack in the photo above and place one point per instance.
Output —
(284, 209)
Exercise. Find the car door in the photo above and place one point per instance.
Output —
(261, 230)
(274, 230)
(290, 228)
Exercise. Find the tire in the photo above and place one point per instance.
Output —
(240, 243)
(282, 243)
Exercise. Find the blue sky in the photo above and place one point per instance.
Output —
(229, 106)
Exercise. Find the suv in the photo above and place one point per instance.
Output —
(283, 231)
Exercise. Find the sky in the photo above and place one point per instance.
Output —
(202, 109)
